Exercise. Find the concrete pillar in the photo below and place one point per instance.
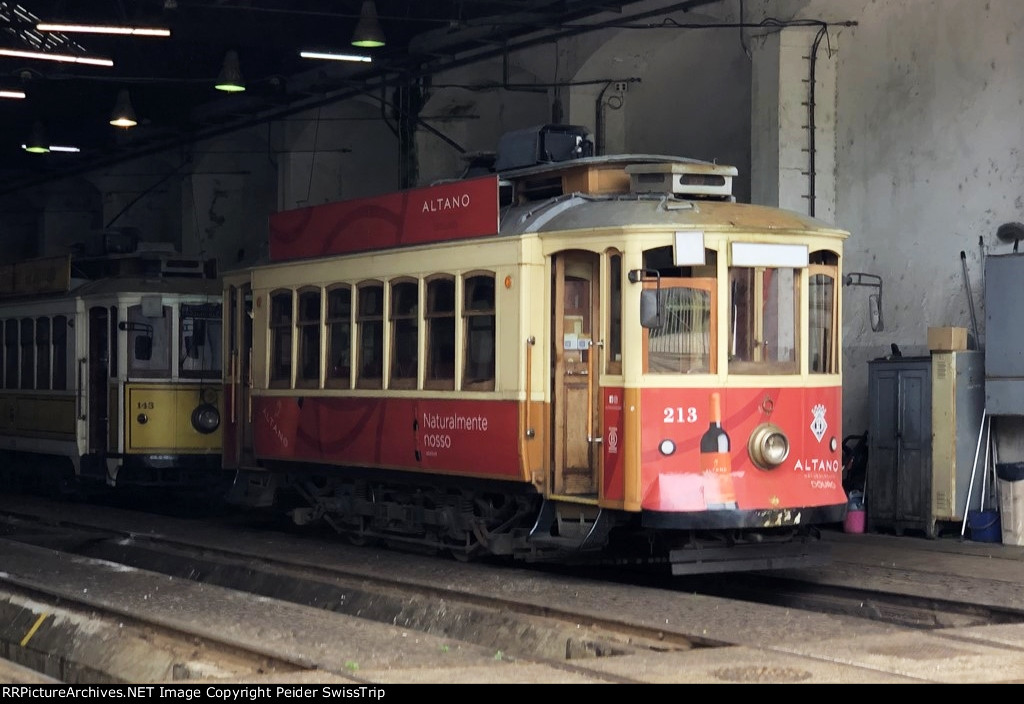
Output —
(783, 172)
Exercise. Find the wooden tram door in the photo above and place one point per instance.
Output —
(240, 372)
(98, 378)
(576, 353)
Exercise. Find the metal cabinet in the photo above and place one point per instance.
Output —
(958, 409)
(898, 490)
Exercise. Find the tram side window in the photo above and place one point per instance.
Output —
(440, 322)
(281, 339)
(763, 330)
(42, 353)
(11, 354)
(404, 334)
(478, 311)
(613, 355)
(148, 334)
(370, 331)
(28, 357)
(309, 339)
(60, 353)
(200, 339)
(339, 342)
(823, 314)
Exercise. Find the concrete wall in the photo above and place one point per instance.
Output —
(925, 154)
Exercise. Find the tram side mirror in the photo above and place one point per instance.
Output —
(650, 311)
(875, 312)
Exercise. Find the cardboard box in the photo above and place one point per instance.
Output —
(947, 339)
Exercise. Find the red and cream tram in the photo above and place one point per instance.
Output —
(588, 356)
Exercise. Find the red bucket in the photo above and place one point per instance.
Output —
(854, 521)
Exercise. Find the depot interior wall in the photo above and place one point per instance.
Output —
(928, 163)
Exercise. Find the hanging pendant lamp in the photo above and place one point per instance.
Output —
(123, 114)
(230, 79)
(368, 32)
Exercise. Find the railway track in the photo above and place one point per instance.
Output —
(480, 616)
(500, 627)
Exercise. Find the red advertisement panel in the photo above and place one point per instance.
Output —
(448, 211)
(681, 480)
(475, 438)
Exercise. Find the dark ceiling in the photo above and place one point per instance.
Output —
(170, 80)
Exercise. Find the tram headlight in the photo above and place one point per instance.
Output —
(206, 418)
(768, 446)
(666, 447)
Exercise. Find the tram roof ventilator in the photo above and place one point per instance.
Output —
(548, 161)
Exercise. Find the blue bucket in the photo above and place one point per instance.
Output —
(985, 526)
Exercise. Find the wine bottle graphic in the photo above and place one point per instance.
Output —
(715, 463)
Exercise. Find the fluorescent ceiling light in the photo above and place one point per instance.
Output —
(103, 29)
(11, 94)
(66, 58)
(334, 57)
(52, 148)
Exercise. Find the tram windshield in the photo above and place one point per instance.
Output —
(763, 315)
(199, 336)
(764, 320)
(149, 340)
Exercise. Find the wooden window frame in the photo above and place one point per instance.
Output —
(399, 319)
(439, 373)
(312, 327)
(372, 320)
(285, 327)
(334, 380)
(471, 315)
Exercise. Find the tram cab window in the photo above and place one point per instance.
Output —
(686, 340)
(370, 331)
(440, 334)
(281, 339)
(339, 340)
(764, 320)
(200, 339)
(148, 342)
(480, 332)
